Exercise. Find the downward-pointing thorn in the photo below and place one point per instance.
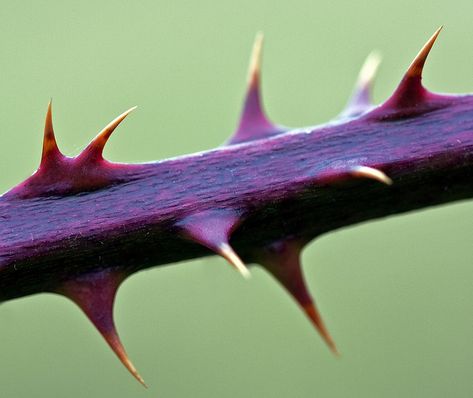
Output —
(212, 229)
(282, 260)
(95, 294)
(314, 315)
(226, 251)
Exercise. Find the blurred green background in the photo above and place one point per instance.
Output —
(396, 294)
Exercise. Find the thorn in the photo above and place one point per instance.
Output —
(95, 149)
(282, 260)
(360, 101)
(410, 92)
(95, 295)
(253, 123)
(212, 229)
(372, 173)
(51, 151)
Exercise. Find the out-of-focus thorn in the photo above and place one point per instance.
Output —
(254, 123)
(95, 294)
(51, 152)
(360, 101)
(94, 150)
(213, 229)
(282, 260)
(254, 68)
(372, 173)
(226, 251)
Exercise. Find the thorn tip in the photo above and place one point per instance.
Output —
(50, 148)
(95, 148)
(255, 61)
(416, 67)
(369, 69)
(372, 173)
(226, 251)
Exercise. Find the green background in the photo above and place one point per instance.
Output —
(396, 293)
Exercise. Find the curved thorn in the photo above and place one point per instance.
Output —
(95, 148)
(372, 173)
(416, 67)
(50, 148)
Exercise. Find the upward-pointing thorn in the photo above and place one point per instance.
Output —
(360, 101)
(94, 150)
(51, 151)
(254, 68)
(253, 123)
(410, 92)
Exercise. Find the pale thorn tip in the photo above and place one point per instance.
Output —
(415, 69)
(229, 254)
(369, 69)
(370, 172)
(255, 60)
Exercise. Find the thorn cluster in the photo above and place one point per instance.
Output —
(95, 292)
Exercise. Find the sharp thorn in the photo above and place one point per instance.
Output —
(282, 260)
(51, 151)
(253, 122)
(95, 295)
(410, 94)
